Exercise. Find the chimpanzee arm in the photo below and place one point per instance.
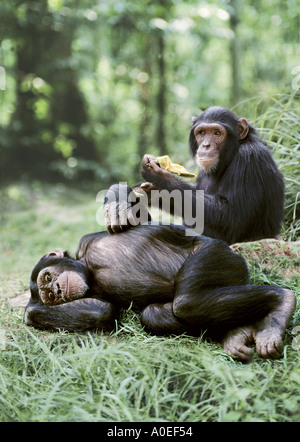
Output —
(227, 214)
(76, 316)
(217, 208)
(187, 200)
(124, 208)
(160, 178)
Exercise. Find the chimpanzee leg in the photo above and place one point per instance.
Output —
(201, 269)
(267, 334)
(79, 315)
(270, 331)
(160, 320)
(212, 291)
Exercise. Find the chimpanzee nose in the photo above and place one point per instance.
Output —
(206, 142)
(57, 288)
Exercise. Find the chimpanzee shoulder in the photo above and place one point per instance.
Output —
(86, 240)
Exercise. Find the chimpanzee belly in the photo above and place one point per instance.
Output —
(137, 268)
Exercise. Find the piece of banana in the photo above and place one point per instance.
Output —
(166, 163)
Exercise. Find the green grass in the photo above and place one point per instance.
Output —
(35, 219)
(277, 119)
(126, 375)
(130, 376)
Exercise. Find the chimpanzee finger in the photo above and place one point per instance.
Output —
(154, 166)
(109, 229)
(271, 349)
(112, 218)
(146, 161)
(107, 220)
(116, 228)
(147, 187)
(242, 353)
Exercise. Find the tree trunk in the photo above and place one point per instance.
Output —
(234, 53)
(161, 96)
(44, 53)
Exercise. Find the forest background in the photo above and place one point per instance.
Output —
(92, 86)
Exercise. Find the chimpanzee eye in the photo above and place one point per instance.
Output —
(48, 277)
(217, 132)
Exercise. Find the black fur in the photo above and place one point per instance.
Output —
(244, 195)
(178, 283)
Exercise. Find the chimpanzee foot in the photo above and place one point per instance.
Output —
(236, 343)
(269, 343)
(270, 331)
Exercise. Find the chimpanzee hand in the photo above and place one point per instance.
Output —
(150, 168)
(117, 216)
(123, 208)
(144, 188)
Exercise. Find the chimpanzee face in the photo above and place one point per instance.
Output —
(58, 285)
(57, 279)
(215, 136)
(210, 138)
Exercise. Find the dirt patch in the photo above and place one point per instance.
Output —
(272, 255)
(20, 300)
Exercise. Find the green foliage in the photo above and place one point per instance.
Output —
(91, 87)
(128, 376)
(277, 119)
(126, 76)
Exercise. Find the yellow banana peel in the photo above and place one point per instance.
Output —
(166, 163)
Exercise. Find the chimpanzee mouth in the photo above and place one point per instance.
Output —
(207, 159)
(208, 165)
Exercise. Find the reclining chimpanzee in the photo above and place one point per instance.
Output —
(179, 284)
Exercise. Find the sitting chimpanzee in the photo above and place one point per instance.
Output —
(179, 284)
(243, 188)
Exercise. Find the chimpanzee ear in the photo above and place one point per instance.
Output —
(194, 119)
(243, 128)
(57, 253)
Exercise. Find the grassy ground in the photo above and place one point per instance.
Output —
(127, 375)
